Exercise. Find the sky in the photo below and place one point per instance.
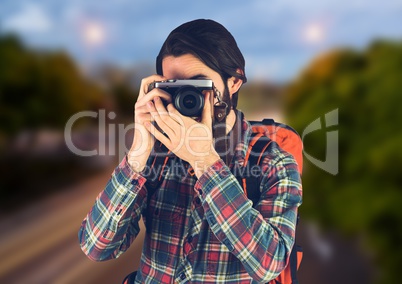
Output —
(278, 38)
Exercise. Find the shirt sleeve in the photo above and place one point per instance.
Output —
(113, 222)
(261, 237)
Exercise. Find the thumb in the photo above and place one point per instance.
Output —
(207, 111)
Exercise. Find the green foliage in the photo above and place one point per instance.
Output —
(258, 100)
(125, 96)
(40, 88)
(365, 197)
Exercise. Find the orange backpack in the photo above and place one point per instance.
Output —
(264, 132)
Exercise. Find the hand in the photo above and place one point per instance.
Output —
(143, 142)
(188, 139)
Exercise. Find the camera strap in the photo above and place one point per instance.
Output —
(219, 129)
(225, 142)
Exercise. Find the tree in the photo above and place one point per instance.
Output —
(40, 88)
(364, 198)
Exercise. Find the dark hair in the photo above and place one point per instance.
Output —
(210, 42)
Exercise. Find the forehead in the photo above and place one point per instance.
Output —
(185, 67)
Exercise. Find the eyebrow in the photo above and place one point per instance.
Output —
(199, 76)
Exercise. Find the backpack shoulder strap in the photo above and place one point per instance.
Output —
(285, 136)
(156, 165)
(250, 176)
(264, 132)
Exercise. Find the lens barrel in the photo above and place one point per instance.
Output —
(189, 101)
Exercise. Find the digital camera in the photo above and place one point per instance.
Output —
(187, 96)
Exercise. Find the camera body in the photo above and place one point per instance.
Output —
(187, 96)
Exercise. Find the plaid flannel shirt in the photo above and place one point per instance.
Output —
(205, 230)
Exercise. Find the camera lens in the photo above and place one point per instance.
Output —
(189, 101)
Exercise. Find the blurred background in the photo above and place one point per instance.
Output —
(69, 77)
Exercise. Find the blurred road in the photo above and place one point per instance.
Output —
(40, 244)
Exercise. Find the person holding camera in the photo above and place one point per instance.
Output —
(180, 175)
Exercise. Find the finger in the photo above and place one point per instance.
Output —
(142, 117)
(141, 108)
(207, 111)
(162, 118)
(152, 95)
(160, 107)
(145, 84)
(164, 115)
(175, 115)
(141, 114)
(171, 109)
(152, 110)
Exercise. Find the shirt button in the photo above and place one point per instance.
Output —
(197, 201)
(211, 220)
(190, 239)
(182, 276)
